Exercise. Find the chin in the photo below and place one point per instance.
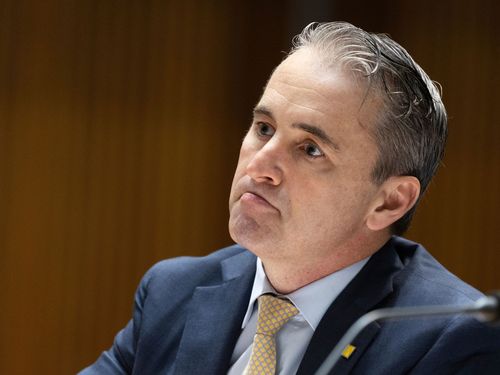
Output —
(247, 232)
(242, 228)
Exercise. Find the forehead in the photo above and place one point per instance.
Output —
(302, 84)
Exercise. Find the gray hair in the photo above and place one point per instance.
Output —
(411, 132)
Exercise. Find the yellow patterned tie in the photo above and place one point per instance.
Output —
(274, 312)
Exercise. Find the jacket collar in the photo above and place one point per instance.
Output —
(214, 318)
(368, 289)
(210, 334)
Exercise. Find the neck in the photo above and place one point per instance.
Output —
(288, 276)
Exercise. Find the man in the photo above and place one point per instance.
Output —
(343, 143)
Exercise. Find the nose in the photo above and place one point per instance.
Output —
(265, 165)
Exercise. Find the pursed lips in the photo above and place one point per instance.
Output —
(254, 197)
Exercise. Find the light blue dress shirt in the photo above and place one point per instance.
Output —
(292, 340)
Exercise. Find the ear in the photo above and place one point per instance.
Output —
(397, 195)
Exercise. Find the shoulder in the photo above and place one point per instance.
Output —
(186, 273)
(435, 344)
(423, 280)
(184, 263)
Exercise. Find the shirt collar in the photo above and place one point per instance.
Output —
(306, 298)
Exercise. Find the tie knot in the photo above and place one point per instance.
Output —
(274, 312)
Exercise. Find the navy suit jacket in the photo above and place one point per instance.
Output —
(188, 314)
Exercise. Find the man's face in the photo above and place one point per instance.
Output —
(302, 188)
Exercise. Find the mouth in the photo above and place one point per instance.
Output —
(250, 197)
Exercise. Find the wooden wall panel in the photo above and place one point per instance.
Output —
(116, 153)
(458, 45)
(120, 124)
(456, 42)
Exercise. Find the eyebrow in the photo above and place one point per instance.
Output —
(311, 129)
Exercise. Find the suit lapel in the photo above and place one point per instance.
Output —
(372, 284)
(214, 319)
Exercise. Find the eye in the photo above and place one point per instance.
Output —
(312, 150)
(264, 129)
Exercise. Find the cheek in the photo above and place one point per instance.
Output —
(241, 166)
(248, 147)
(309, 200)
(328, 202)
(247, 151)
(240, 171)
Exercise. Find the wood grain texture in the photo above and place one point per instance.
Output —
(120, 124)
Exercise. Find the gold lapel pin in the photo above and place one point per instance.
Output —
(349, 349)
